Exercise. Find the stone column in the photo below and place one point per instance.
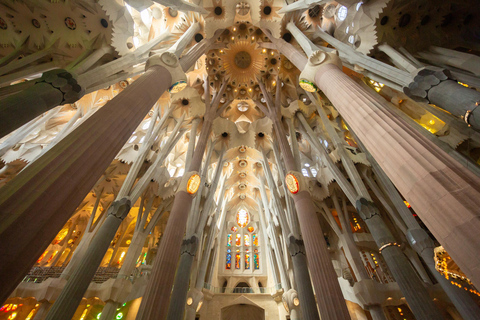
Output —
(182, 278)
(72, 294)
(436, 86)
(38, 202)
(54, 88)
(410, 284)
(445, 195)
(302, 279)
(376, 311)
(42, 310)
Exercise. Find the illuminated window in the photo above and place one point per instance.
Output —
(247, 240)
(247, 260)
(255, 240)
(229, 240)
(250, 229)
(238, 240)
(228, 264)
(314, 172)
(256, 259)
(305, 172)
(242, 218)
(342, 13)
(234, 229)
(237, 260)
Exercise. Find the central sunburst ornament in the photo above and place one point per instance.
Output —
(243, 61)
(292, 183)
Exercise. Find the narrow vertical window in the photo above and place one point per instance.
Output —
(228, 264)
(229, 240)
(255, 240)
(238, 240)
(247, 240)
(256, 260)
(247, 260)
(237, 260)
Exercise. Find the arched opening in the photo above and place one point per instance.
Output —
(242, 311)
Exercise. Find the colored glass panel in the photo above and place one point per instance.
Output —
(234, 229)
(247, 240)
(228, 264)
(247, 261)
(242, 218)
(255, 240)
(229, 240)
(256, 260)
(238, 240)
(237, 261)
(250, 229)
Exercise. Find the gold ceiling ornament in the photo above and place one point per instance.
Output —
(292, 183)
(193, 183)
(243, 61)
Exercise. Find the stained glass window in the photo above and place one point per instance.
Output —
(229, 240)
(234, 229)
(256, 260)
(255, 240)
(238, 240)
(247, 240)
(237, 260)
(250, 229)
(242, 218)
(247, 260)
(228, 264)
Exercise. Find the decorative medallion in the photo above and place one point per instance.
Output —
(242, 149)
(242, 163)
(292, 183)
(123, 84)
(242, 175)
(308, 85)
(70, 23)
(242, 186)
(35, 23)
(193, 184)
(3, 24)
(178, 86)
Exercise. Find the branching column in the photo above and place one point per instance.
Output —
(444, 194)
(39, 200)
(329, 295)
(157, 295)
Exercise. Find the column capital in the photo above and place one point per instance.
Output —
(295, 246)
(296, 182)
(290, 300)
(169, 61)
(316, 60)
(419, 240)
(425, 79)
(120, 208)
(65, 82)
(190, 183)
(366, 209)
(189, 246)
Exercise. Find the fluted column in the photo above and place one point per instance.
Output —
(376, 311)
(71, 295)
(182, 278)
(54, 88)
(445, 195)
(302, 279)
(39, 200)
(407, 279)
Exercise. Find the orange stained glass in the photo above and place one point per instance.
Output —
(247, 261)
(242, 218)
(255, 240)
(238, 240)
(250, 229)
(247, 240)
(237, 260)
(234, 229)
